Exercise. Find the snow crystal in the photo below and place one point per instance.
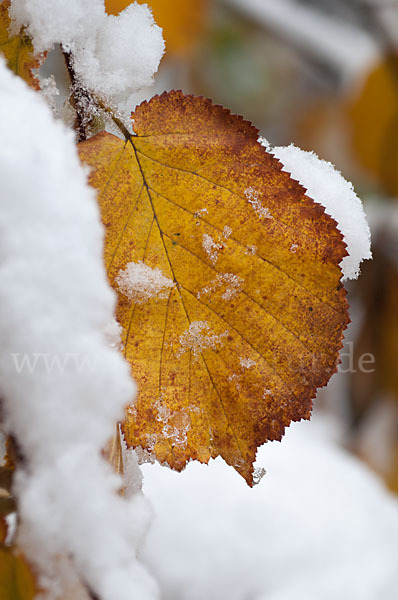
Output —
(252, 196)
(251, 250)
(164, 413)
(258, 474)
(211, 247)
(114, 55)
(232, 284)
(226, 231)
(151, 441)
(328, 187)
(200, 212)
(198, 337)
(176, 428)
(247, 363)
(235, 378)
(265, 143)
(55, 299)
(139, 282)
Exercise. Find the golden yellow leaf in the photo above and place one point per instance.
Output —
(243, 312)
(16, 579)
(17, 49)
(181, 20)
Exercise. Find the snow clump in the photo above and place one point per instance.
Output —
(113, 55)
(139, 282)
(327, 187)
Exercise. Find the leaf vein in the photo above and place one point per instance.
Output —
(231, 237)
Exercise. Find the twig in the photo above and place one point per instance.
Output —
(118, 122)
(77, 94)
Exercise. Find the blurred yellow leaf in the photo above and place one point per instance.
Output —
(17, 49)
(16, 579)
(373, 112)
(181, 20)
(229, 286)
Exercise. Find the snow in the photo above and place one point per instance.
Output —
(139, 282)
(114, 56)
(253, 198)
(176, 424)
(124, 54)
(199, 337)
(318, 525)
(233, 284)
(328, 187)
(229, 282)
(211, 247)
(55, 302)
(246, 363)
(53, 21)
(251, 250)
(198, 214)
(227, 231)
(113, 332)
(49, 91)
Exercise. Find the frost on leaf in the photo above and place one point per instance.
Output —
(226, 231)
(199, 337)
(139, 282)
(211, 247)
(253, 198)
(251, 250)
(246, 363)
(192, 194)
(228, 283)
(175, 424)
(200, 212)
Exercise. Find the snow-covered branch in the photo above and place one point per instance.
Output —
(63, 386)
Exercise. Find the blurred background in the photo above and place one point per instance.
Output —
(322, 74)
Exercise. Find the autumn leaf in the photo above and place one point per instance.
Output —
(181, 20)
(373, 114)
(228, 282)
(16, 579)
(17, 49)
